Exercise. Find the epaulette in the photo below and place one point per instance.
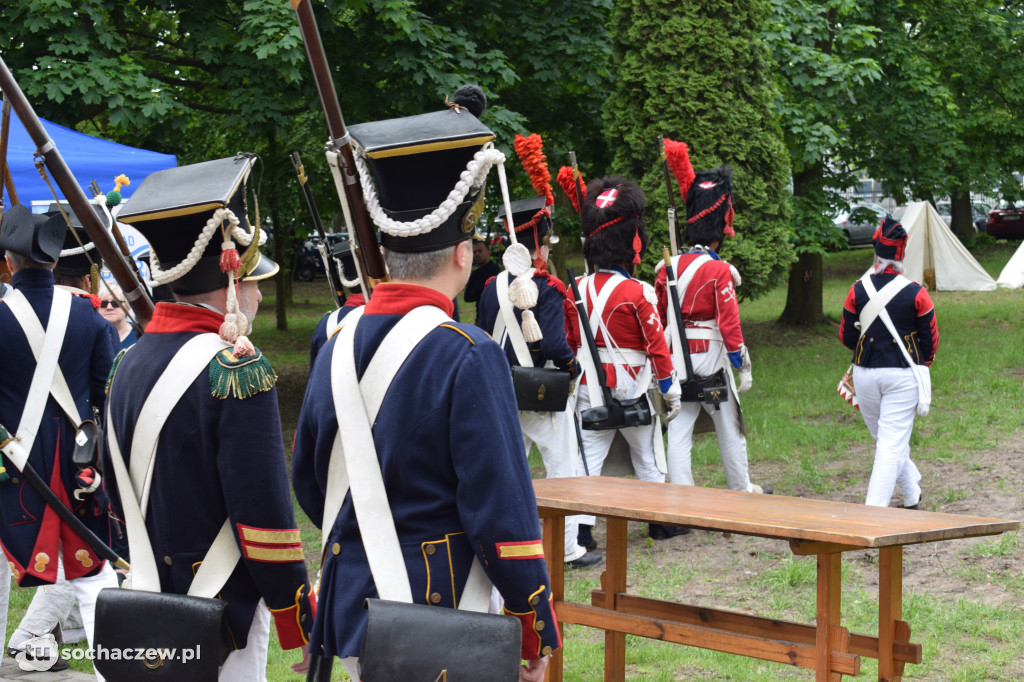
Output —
(553, 281)
(240, 377)
(113, 369)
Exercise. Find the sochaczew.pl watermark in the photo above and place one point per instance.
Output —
(41, 653)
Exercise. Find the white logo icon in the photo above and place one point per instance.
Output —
(39, 654)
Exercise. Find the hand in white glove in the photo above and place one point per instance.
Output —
(746, 380)
(673, 401)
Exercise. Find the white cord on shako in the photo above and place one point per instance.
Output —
(523, 290)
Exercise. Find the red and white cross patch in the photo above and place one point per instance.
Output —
(607, 198)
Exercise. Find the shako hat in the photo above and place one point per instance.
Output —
(707, 195)
(79, 252)
(613, 223)
(428, 173)
(31, 235)
(200, 235)
(890, 239)
(190, 215)
(531, 221)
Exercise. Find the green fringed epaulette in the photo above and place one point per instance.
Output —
(113, 368)
(240, 377)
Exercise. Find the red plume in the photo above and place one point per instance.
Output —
(531, 154)
(678, 156)
(568, 184)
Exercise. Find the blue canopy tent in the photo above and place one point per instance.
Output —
(89, 158)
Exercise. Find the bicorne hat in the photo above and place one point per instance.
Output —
(31, 235)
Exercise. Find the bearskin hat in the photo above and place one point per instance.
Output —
(709, 210)
(613, 223)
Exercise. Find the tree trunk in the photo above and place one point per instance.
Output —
(961, 216)
(803, 295)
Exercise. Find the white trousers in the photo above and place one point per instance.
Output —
(51, 605)
(554, 434)
(888, 403)
(596, 445)
(250, 664)
(732, 445)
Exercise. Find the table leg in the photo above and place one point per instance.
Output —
(890, 609)
(613, 581)
(554, 552)
(829, 611)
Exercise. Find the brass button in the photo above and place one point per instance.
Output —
(24, 518)
(534, 600)
(546, 651)
(539, 625)
(302, 618)
(336, 548)
(430, 549)
(81, 512)
(872, 339)
(435, 598)
(167, 560)
(14, 480)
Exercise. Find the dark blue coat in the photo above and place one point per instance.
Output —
(451, 454)
(912, 314)
(217, 457)
(29, 530)
(320, 334)
(550, 314)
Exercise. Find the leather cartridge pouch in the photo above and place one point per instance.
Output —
(419, 643)
(617, 414)
(712, 390)
(159, 636)
(544, 389)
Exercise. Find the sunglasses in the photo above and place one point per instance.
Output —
(110, 304)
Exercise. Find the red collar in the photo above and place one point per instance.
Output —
(354, 301)
(176, 317)
(394, 298)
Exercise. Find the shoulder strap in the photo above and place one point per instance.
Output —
(878, 299)
(359, 456)
(46, 345)
(333, 322)
(508, 324)
(683, 279)
(187, 364)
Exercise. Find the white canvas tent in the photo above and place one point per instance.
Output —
(931, 246)
(1012, 276)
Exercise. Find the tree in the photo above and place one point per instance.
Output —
(700, 73)
(194, 77)
(815, 46)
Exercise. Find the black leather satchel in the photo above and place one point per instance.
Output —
(543, 389)
(159, 636)
(419, 643)
(617, 414)
(712, 390)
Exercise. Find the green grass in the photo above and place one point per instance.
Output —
(804, 440)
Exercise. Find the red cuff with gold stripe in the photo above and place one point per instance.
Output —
(270, 545)
(294, 623)
(537, 629)
(530, 549)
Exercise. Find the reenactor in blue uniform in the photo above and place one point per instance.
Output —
(553, 432)
(220, 454)
(38, 544)
(446, 434)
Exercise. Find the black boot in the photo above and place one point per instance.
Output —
(658, 531)
(584, 538)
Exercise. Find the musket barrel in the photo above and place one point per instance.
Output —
(134, 291)
(362, 227)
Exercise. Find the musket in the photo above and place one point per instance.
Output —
(677, 316)
(331, 269)
(673, 239)
(5, 171)
(16, 454)
(579, 200)
(340, 158)
(135, 291)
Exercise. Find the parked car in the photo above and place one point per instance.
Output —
(979, 213)
(860, 223)
(1006, 220)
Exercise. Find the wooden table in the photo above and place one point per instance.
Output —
(819, 527)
